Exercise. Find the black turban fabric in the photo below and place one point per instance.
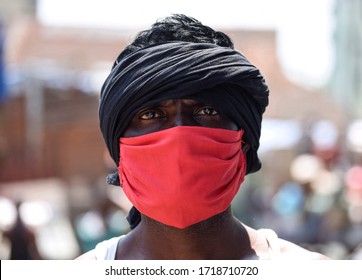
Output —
(219, 76)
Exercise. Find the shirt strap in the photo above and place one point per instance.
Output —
(273, 243)
(106, 250)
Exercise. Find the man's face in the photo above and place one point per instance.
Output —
(177, 112)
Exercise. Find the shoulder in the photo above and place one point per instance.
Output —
(279, 248)
(293, 251)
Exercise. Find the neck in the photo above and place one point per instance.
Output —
(220, 237)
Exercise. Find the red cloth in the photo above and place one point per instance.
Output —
(182, 175)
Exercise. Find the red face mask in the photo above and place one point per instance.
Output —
(182, 175)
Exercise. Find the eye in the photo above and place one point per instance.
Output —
(207, 111)
(150, 114)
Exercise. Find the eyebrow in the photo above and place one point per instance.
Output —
(188, 100)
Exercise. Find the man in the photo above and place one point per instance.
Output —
(181, 116)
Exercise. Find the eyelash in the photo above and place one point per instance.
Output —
(153, 111)
(214, 111)
(161, 114)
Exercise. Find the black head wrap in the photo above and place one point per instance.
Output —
(219, 76)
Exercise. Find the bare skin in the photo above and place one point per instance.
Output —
(219, 237)
(177, 112)
(225, 239)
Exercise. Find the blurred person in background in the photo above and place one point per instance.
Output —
(181, 116)
(353, 198)
(22, 240)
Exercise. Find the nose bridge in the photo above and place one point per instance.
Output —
(182, 116)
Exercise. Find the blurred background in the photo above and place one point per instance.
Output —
(54, 56)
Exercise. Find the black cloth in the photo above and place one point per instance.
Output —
(220, 76)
